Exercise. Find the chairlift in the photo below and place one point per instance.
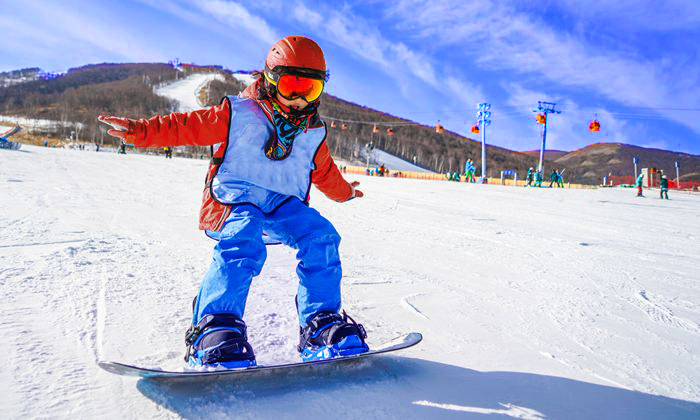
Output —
(390, 132)
(439, 128)
(375, 129)
(541, 119)
(475, 129)
(344, 127)
(333, 124)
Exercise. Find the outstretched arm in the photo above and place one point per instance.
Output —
(328, 179)
(197, 128)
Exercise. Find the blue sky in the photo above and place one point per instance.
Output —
(634, 64)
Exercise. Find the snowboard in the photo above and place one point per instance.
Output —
(5, 144)
(399, 343)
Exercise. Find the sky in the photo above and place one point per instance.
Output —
(633, 65)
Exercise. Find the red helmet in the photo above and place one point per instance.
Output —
(298, 52)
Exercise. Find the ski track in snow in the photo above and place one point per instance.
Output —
(406, 302)
(523, 317)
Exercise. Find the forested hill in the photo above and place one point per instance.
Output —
(81, 94)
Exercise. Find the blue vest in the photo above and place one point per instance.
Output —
(248, 176)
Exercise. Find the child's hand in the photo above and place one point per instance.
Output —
(356, 192)
(120, 128)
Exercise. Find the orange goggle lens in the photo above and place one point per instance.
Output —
(292, 87)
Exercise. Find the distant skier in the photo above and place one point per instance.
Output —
(560, 178)
(469, 171)
(538, 179)
(530, 177)
(640, 179)
(664, 187)
(168, 152)
(553, 177)
(268, 147)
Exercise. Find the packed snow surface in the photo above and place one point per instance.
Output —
(534, 303)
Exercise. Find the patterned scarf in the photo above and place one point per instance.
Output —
(287, 128)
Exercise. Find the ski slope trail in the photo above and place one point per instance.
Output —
(533, 303)
(185, 91)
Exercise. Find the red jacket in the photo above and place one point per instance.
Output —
(208, 127)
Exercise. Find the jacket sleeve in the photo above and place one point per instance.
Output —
(327, 178)
(204, 127)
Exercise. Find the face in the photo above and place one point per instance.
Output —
(297, 103)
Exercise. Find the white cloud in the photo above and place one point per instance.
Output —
(361, 37)
(467, 93)
(236, 16)
(500, 38)
(58, 26)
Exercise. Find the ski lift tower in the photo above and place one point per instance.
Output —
(543, 109)
(483, 119)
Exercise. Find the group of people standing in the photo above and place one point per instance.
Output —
(556, 177)
(469, 170)
(663, 184)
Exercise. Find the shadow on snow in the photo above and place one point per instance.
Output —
(395, 387)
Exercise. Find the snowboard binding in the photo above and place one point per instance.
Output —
(329, 335)
(219, 341)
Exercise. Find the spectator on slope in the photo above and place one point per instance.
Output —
(553, 177)
(530, 177)
(538, 179)
(640, 179)
(664, 187)
(469, 171)
(268, 147)
(560, 178)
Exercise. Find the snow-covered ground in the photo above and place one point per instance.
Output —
(185, 91)
(534, 303)
(37, 125)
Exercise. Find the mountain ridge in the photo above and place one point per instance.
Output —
(127, 89)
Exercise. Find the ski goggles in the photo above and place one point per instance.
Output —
(292, 84)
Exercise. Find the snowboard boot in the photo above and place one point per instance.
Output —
(219, 341)
(330, 335)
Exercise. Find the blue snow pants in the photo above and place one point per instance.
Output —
(240, 254)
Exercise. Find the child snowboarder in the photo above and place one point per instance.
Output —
(268, 146)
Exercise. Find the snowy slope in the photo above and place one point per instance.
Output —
(185, 91)
(563, 304)
(246, 78)
(394, 163)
